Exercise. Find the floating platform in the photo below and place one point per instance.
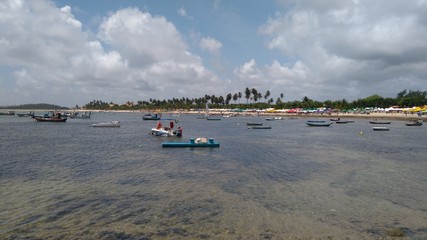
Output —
(199, 142)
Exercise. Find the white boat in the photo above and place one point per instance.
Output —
(107, 124)
(380, 128)
(161, 132)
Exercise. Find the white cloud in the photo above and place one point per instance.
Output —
(136, 56)
(353, 48)
(210, 44)
(276, 77)
(182, 12)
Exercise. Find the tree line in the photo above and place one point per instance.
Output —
(254, 99)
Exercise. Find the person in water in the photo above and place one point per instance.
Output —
(179, 132)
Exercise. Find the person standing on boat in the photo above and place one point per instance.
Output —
(171, 124)
(159, 125)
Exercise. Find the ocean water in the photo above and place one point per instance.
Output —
(72, 181)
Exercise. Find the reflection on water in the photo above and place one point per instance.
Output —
(71, 181)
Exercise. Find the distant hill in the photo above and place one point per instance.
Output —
(34, 106)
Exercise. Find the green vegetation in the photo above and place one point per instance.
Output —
(257, 100)
(34, 106)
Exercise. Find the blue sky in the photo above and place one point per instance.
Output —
(70, 52)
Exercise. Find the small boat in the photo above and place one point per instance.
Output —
(259, 127)
(335, 119)
(253, 124)
(415, 123)
(151, 116)
(198, 142)
(270, 119)
(316, 121)
(28, 114)
(8, 113)
(380, 128)
(379, 122)
(50, 119)
(85, 115)
(213, 119)
(161, 132)
(318, 124)
(107, 124)
(341, 122)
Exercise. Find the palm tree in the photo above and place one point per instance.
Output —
(267, 94)
(254, 94)
(247, 94)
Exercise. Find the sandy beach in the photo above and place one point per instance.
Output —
(400, 116)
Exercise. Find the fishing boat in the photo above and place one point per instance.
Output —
(107, 124)
(379, 122)
(259, 127)
(150, 116)
(380, 128)
(198, 142)
(318, 124)
(50, 119)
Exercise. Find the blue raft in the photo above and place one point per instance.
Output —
(199, 142)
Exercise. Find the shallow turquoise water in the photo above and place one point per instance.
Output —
(72, 181)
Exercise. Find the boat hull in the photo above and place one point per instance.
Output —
(318, 124)
(379, 122)
(42, 119)
(259, 127)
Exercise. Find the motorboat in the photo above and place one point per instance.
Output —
(162, 132)
(152, 116)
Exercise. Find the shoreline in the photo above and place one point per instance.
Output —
(371, 115)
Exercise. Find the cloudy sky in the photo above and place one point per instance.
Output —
(70, 52)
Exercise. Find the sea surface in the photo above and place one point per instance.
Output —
(72, 181)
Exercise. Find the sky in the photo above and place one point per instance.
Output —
(71, 52)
